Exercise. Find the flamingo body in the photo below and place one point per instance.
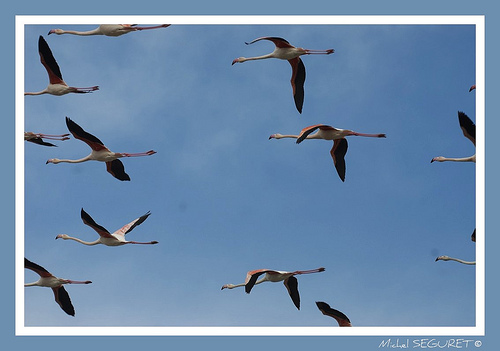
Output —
(340, 317)
(57, 86)
(285, 51)
(106, 238)
(110, 30)
(469, 130)
(48, 280)
(326, 132)
(274, 276)
(99, 152)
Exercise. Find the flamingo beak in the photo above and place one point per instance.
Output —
(272, 136)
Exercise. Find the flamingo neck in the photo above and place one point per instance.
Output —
(462, 261)
(96, 31)
(263, 57)
(37, 93)
(57, 160)
(454, 159)
(88, 243)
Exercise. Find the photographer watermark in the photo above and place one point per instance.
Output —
(430, 343)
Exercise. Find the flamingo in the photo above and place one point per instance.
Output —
(57, 86)
(37, 138)
(105, 237)
(469, 129)
(99, 152)
(339, 316)
(288, 279)
(448, 258)
(326, 132)
(110, 30)
(49, 281)
(473, 87)
(285, 51)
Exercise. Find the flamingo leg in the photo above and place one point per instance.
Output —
(147, 153)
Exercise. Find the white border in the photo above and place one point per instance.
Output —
(478, 330)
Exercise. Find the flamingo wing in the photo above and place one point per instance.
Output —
(49, 62)
(89, 139)
(292, 285)
(127, 228)
(62, 298)
(308, 130)
(473, 236)
(36, 268)
(117, 170)
(39, 141)
(91, 223)
(279, 42)
(338, 152)
(252, 277)
(328, 311)
(468, 127)
(298, 79)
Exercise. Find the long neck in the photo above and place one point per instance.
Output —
(462, 159)
(462, 261)
(86, 158)
(243, 59)
(96, 31)
(37, 93)
(89, 243)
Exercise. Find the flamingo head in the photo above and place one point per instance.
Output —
(227, 286)
(275, 136)
(55, 31)
(239, 59)
(62, 236)
(53, 160)
(442, 258)
(438, 159)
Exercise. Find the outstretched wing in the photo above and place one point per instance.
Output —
(292, 285)
(279, 42)
(252, 277)
(328, 311)
(79, 133)
(49, 62)
(298, 79)
(62, 298)
(338, 152)
(308, 130)
(91, 223)
(36, 268)
(117, 170)
(468, 127)
(127, 228)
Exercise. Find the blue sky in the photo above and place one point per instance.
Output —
(225, 200)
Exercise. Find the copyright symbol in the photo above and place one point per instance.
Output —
(478, 343)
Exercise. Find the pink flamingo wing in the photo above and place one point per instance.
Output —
(80, 134)
(297, 81)
(127, 228)
(36, 268)
(49, 62)
(62, 298)
(279, 42)
(103, 232)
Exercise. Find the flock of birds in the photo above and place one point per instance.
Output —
(99, 152)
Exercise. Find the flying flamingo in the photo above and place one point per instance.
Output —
(326, 132)
(110, 30)
(288, 279)
(99, 152)
(339, 316)
(105, 237)
(57, 86)
(469, 129)
(49, 281)
(472, 88)
(285, 51)
(37, 138)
